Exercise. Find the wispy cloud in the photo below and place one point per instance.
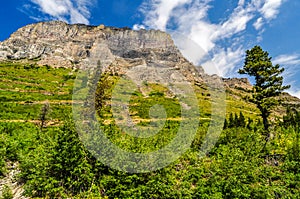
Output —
(228, 59)
(291, 64)
(190, 17)
(270, 8)
(259, 23)
(71, 11)
(287, 60)
(158, 12)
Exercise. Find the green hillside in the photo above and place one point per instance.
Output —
(37, 133)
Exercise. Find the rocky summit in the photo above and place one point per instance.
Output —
(58, 44)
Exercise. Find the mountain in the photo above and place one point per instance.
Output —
(61, 45)
(58, 44)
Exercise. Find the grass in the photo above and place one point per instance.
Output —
(24, 88)
(37, 79)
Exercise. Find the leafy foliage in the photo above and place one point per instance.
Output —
(55, 164)
(65, 169)
(6, 193)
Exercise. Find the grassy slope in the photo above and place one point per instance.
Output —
(234, 168)
(24, 88)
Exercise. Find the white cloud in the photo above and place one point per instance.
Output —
(138, 27)
(207, 38)
(228, 59)
(192, 22)
(258, 24)
(189, 48)
(190, 17)
(236, 22)
(241, 2)
(77, 17)
(291, 64)
(71, 11)
(157, 12)
(270, 9)
(287, 60)
(54, 8)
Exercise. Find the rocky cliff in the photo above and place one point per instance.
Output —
(61, 45)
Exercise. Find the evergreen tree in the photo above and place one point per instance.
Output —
(69, 166)
(249, 123)
(225, 124)
(241, 120)
(236, 120)
(268, 82)
(231, 121)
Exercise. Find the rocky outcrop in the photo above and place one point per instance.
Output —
(238, 83)
(59, 44)
(241, 88)
(10, 181)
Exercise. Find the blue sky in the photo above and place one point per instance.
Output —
(225, 29)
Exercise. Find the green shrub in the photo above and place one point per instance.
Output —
(7, 193)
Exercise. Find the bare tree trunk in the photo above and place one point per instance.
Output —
(43, 115)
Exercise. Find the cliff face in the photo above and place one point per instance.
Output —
(56, 41)
(61, 45)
